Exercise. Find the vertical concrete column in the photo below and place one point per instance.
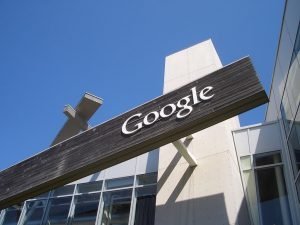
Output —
(212, 192)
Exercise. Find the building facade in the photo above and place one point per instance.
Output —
(247, 175)
(269, 153)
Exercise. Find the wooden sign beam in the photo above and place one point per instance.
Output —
(200, 104)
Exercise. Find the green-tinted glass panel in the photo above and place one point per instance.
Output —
(89, 187)
(267, 159)
(273, 199)
(34, 212)
(149, 178)
(116, 207)
(294, 145)
(12, 215)
(65, 190)
(86, 208)
(246, 162)
(58, 210)
(119, 182)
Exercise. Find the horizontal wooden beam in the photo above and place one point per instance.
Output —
(225, 93)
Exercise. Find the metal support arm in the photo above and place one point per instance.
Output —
(182, 149)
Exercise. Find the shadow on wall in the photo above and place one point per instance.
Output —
(94, 177)
(208, 210)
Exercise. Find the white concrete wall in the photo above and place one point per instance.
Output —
(212, 192)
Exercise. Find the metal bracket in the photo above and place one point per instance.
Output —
(71, 113)
(78, 117)
(182, 149)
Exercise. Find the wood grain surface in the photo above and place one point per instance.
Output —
(236, 88)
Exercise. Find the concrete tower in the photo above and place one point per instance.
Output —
(210, 193)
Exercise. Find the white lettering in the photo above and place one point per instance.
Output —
(146, 119)
(168, 110)
(163, 113)
(205, 91)
(184, 107)
(194, 95)
(138, 126)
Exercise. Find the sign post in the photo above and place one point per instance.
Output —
(200, 104)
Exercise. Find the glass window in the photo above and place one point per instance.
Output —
(58, 210)
(34, 212)
(145, 205)
(278, 78)
(86, 207)
(250, 190)
(298, 187)
(116, 207)
(294, 144)
(287, 113)
(149, 178)
(296, 50)
(145, 191)
(89, 187)
(285, 50)
(265, 189)
(293, 85)
(12, 215)
(65, 190)
(44, 195)
(272, 194)
(246, 162)
(267, 159)
(291, 97)
(297, 46)
(119, 182)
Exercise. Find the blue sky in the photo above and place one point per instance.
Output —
(52, 52)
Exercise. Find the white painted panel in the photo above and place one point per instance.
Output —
(93, 177)
(265, 138)
(148, 162)
(123, 169)
(241, 142)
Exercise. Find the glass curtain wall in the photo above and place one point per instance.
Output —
(121, 201)
(59, 205)
(11, 215)
(266, 189)
(86, 202)
(272, 194)
(290, 110)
